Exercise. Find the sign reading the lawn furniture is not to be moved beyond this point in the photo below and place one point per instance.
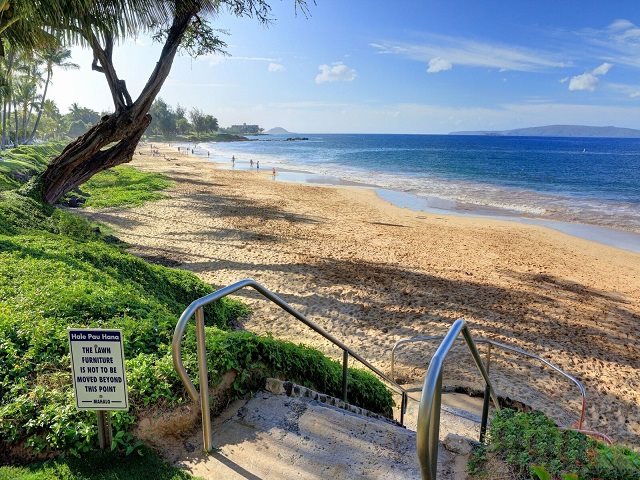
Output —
(97, 365)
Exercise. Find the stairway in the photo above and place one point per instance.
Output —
(277, 436)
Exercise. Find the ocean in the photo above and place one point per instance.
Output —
(589, 181)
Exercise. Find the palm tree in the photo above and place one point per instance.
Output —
(53, 57)
(20, 24)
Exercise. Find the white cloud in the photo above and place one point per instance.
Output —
(618, 43)
(624, 29)
(602, 69)
(335, 72)
(631, 91)
(586, 81)
(471, 53)
(438, 64)
(589, 80)
(564, 80)
(217, 59)
(275, 67)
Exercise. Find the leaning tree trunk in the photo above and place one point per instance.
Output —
(114, 139)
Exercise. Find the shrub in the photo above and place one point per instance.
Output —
(535, 447)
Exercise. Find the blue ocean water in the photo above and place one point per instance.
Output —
(585, 180)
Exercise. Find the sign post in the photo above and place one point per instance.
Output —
(99, 380)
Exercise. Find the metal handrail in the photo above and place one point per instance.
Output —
(197, 307)
(504, 346)
(428, 432)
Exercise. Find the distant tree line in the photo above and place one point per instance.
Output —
(169, 122)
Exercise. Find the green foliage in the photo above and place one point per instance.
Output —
(99, 466)
(116, 187)
(542, 474)
(255, 358)
(123, 186)
(167, 122)
(535, 447)
(49, 282)
(21, 163)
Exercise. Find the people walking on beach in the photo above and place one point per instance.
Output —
(273, 172)
(251, 163)
(258, 164)
(233, 161)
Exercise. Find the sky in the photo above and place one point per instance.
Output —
(410, 66)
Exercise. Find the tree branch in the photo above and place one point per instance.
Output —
(103, 55)
(174, 36)
(95, 66)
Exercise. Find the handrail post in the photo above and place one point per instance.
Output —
(485, 412)
(345, 373)
(434, 434)
(403, 407)
(203, 377)
(485, 399)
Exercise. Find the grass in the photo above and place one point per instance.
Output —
(98, 466)
(123, 186)
(58, 271)
(535, 448)
(19, 164)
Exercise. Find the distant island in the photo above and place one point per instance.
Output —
(277, 131)
(560, 131)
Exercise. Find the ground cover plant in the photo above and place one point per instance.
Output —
(535, 448)
(58, 271)
(122, 186)
(98, 466)
(20, 164)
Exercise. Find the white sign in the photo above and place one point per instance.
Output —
(97, 365)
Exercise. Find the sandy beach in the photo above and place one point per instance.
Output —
(372, 273)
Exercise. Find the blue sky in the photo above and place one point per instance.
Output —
(401, 67)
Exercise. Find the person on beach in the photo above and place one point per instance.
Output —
(233, 161)
(251, 163)
(208, 153)
(258, 164)
(273, 172)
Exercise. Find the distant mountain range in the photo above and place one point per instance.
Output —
(277, 131)
(561, 131)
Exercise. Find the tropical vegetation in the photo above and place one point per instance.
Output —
(533, 447)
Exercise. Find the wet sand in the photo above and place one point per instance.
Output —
(372, 273)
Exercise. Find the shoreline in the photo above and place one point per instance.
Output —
(617, 238)
(371, 273)
(605, 234)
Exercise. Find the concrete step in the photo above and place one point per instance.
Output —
(275, 436)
